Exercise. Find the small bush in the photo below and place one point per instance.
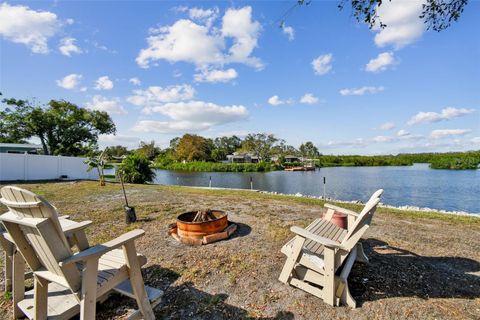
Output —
(135, 168)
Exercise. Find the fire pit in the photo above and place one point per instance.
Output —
(202, 227)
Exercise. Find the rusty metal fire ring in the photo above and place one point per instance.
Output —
(189, 232)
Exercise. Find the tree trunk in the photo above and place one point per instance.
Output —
(44, 146)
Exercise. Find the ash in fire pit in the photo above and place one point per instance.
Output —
(202, 227)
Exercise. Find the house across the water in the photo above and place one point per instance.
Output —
(19, 148)
(242, 158)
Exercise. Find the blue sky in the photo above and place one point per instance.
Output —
(162, 69)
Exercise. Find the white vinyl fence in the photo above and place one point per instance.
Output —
(15, 166)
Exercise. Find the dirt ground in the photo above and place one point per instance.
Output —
(422, 266)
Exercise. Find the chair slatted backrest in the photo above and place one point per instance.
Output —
(362, 223)
(43, 245)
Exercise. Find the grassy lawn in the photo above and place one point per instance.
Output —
(422, 265)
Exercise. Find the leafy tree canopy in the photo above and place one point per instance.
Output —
(309, 150)
(192, 147)
(149, 150)
(260, 144)
(62, 127)
(116, 151)
(436, 14)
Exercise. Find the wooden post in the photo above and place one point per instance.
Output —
(18, 283)
(251, 183)
(130, 215)
(41, 295)
(324, 183)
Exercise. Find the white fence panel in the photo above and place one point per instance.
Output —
(39, 167)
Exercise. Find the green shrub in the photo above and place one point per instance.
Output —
(202, 166)
(135, 168)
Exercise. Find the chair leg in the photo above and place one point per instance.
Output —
(361, 256)
(329, 268)
(18, 283)
(136, 281)
(41, 296)
(292, 259)
(8, 247)
(89, 290)
(347, 298)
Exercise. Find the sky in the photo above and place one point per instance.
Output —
(162, 69)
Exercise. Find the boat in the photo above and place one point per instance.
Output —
(301, 168)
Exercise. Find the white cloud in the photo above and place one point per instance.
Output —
(361, 91)
(153, 126)
(202, 44)
(276, 101)
(358, 142)
(70, 81)
(443, 133)
(289, 32)
(322, 64)
(382, 139)
(403, 133)
(155, 95)
(238, 24)
(308, 98)
(213, 76)
(182, 41)
(191, 116)
(387, 125)
(403, 25)
(202, 112)
(67, 47)
(101, 103)
(206, 16)
(475, 140)
(135, 81)
(104, 83)
(446, 114)
(32, 28)
(109, 140)
(381, 63)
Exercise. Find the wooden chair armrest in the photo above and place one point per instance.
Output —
(64, 217)
(76, 227)
(100, 249)
(342, 210)
(308, 235)
(24, 221)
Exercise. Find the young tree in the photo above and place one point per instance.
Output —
(136, 168)
(62, 127)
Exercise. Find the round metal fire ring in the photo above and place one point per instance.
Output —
(187, 228)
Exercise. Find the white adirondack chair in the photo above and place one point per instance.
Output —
(320, 257)
(14, 264)
(66, 283)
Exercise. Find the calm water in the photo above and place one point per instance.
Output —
(416, 185)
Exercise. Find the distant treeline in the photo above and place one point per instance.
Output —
(197, 153)
(449, 160)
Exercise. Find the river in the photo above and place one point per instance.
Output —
(417, 185)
